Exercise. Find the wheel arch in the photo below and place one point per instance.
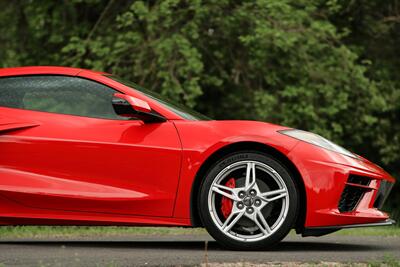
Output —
(242, 146)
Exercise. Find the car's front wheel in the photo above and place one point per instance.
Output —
(248, 201)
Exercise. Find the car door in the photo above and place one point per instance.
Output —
(62, 147)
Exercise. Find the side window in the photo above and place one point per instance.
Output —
(58, 94)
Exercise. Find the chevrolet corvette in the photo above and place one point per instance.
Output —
(80, 147)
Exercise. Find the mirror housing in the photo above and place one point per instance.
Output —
(132, 107)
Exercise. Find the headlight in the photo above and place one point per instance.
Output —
(317, 140)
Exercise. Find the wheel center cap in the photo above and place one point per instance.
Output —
(248, 201)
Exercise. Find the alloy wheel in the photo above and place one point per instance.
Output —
(259, 201)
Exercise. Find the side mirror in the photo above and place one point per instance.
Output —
(132, 107)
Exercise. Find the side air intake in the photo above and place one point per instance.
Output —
(353, 192)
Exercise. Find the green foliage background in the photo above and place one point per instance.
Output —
(331, 67)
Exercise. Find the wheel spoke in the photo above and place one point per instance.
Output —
(217, 188)
(262, 223)
(273, 195)
(250, 175)
(231, 221)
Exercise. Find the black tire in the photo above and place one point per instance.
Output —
(288, 221)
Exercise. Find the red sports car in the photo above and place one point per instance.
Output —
(79, 147)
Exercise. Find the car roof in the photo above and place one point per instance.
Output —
(34, 70)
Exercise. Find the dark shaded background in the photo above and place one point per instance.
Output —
(331, 67)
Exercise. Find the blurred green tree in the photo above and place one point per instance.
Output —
(330, 67)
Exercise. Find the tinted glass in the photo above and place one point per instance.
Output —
(58, 94)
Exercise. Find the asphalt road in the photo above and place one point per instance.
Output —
(190, 250)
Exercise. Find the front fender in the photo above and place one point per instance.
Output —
(202, 140)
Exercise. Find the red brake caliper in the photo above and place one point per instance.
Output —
(226, 203)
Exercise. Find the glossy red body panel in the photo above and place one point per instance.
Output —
(35, 70)
(198, 146)
(325, 174)
(64, 169)
(66, 164)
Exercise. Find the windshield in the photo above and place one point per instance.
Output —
(177, 108)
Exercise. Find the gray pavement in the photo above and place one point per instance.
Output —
(185, 250)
